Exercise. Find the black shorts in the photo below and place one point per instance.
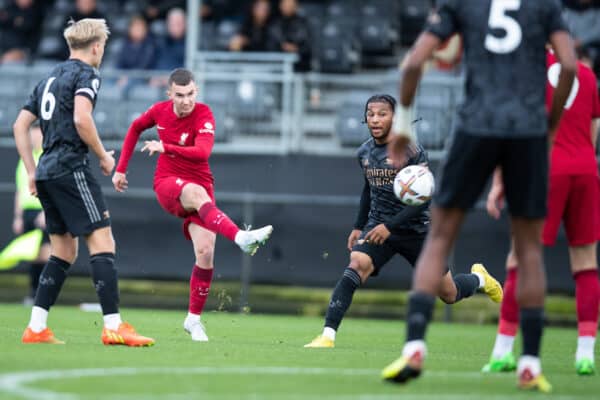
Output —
(406, 243)
(471, 160)
(29, 217)
(73, 203)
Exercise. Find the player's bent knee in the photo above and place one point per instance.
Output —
(362, 264)
(194, 196)
(448, 297)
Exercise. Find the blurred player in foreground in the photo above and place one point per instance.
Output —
(183, 183)
(503, 122)
(70, 195)
(385, 227)
(574, 198)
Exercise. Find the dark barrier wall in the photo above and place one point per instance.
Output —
(308, 245)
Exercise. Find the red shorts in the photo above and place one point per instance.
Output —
(574, 199)
(168, 190)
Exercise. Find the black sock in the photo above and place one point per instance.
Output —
(35, 270)
(532, 323)
(466, 285)
(104, 275)
(341, 298)
(51, 280)
(420, 310)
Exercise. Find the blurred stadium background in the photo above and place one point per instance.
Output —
(286, 132)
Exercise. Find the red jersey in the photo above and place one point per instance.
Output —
(573, 152)
(188, 142)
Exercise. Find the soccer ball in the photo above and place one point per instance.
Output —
(414, 185)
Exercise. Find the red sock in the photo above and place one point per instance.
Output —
(199, 288)
(509, 309)
(587, 295)
(217, 221)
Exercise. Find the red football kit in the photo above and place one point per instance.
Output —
(573, 197)
(188, 142)
(574, 191)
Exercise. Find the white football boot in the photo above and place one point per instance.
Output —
(196, 331)
(250, 241)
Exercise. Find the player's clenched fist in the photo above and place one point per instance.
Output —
(119, 182)
(107, 162)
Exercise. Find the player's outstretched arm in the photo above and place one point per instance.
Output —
(139, 125)
(565, 53)
(86, 128)
(23, 143)
(412, 68)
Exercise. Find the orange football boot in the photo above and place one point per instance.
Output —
(45, 336)
(125, 335)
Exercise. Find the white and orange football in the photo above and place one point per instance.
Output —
(414, 185)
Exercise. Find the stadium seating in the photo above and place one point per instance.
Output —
(339, 49)
(349, 127)
(253, 100)
(64, 6)
(50, 47)
(119, 25)
(377, 35)
(412, 18)
(225, 31)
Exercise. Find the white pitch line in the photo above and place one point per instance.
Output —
(16, 383)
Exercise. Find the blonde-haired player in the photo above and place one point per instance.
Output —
(70, 195)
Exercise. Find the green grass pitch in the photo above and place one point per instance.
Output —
(261, 357)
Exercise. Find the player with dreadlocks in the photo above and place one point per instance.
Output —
(385, 227)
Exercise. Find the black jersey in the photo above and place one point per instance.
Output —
(505, 59)
(379, 175)
(52, 101)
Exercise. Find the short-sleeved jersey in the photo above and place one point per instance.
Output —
(573, 152)
(52, 101)
(380, 173)
(505, 58)
(188, 142)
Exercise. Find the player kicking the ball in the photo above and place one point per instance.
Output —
(183, 183)
(573, 197)
(386, 227)
(503, 122)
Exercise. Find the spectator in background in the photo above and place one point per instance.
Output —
(254, 33)
(171, 53)
(20, 25)
(138, 52)
(291, 34)
(158, 9)
(83, 9)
